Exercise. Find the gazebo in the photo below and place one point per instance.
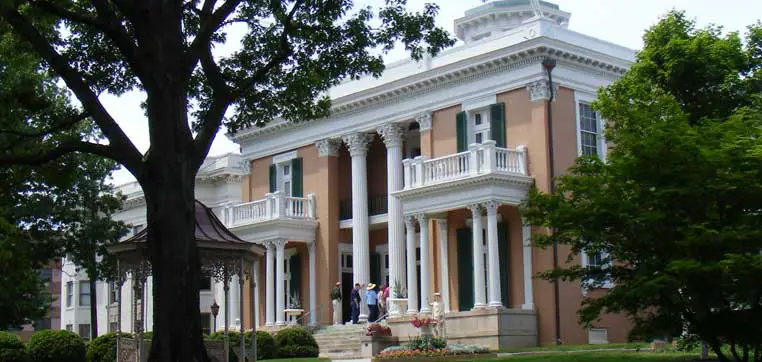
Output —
(223, 255)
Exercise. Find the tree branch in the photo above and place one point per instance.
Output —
(60, 126)
(280, 56)
(210, 22)
(221, 98)
(124, 151)
(106, 22)
(59, 151)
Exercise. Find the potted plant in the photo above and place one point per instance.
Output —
(398, 300)
(295, 309)
(336, 303)
(424, 325)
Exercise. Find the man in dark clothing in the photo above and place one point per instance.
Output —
(354, 300)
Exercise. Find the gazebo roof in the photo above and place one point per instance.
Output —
(212, 237)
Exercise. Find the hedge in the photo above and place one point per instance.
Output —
(11, 348)
(56, 346)
(103, 348)
(295, 343)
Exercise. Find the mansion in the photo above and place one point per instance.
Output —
(414, 181)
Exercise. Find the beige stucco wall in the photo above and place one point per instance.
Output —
(443, 133)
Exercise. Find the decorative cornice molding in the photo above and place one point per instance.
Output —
(533, 52)
(393, 134)
(538, 90)
(358, 143)
(424, 121)
(328, 147)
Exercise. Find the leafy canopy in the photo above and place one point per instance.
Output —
(675, 210)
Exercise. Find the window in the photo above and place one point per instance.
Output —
(206, 327)
(285, 178)
(69, 293)
(69, 327)
(206, 283)
(598, 259)
(480, 127)
(595, 259)
(84, 331)
(84, 293)
(113, 295)
(589, 132)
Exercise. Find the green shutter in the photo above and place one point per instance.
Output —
(375, 271)
(273, 179)
(465, 269)
(503, 247)
(295, 267)
(462, 131)
(497, 125)
(296, 178)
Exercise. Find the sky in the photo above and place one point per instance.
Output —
(617, 21)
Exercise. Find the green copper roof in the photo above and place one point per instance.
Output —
(507, 4)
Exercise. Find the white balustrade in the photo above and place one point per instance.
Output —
(273, 206)
(480, 159)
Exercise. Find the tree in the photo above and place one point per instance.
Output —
(291, 53)
(675, 211)
(61, 208)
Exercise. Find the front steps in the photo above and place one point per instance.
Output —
(340, 341)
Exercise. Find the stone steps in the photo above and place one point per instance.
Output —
(340, 342)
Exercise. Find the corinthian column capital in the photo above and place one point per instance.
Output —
(328, 147)
(392, 134)
(424, 121)
(357, 143)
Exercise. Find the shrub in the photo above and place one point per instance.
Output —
(56, 346)
(235, 342)
(11, 348)
(103, 348)
(266, 347)
(426, 343)
(296, 342)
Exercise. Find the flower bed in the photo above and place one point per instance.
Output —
(406, 352)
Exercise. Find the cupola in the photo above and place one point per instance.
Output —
(496, 17)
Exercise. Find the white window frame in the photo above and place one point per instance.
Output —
(588, 98)
(608, 284)
(283, 162)
(79, 295)
(69, 294)
(485, 127)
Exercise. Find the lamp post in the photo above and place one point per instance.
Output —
(215, 310)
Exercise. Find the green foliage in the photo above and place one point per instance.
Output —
(56, 346)
(426, 343)
(103, 348)
(296, 343)
(675, 210)
(266, 347)
(11, 348)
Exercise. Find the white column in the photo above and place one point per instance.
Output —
(423, 221)
(270, 284)
(235, 299)
(412, 274)
(392, 134)
(280, 286)
(313, 283)
(444, 268)
(476, 227)
(357, 143)
(526, 236)
(493, 256)
(255, 286)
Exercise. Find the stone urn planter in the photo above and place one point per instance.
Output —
(397, 306)
(373, 345)
(293, 315)
(336, 303)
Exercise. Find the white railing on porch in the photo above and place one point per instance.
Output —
(480, 159)
(275, 205)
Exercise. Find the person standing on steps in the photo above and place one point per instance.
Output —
(371, 298)
(354, 302)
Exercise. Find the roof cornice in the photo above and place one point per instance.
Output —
(505, 59)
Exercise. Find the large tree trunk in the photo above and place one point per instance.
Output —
(176, 269)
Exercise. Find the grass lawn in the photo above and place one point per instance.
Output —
(600, 357)
(298, 360)
(579, 347)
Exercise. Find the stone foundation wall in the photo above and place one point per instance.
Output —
(492, 328)
(215, 349)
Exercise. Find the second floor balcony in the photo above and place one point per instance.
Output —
(274, 216)
(484, 171)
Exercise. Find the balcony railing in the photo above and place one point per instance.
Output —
(274, 206)
(484, 158)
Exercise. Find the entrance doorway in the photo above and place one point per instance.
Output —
(347, 279)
